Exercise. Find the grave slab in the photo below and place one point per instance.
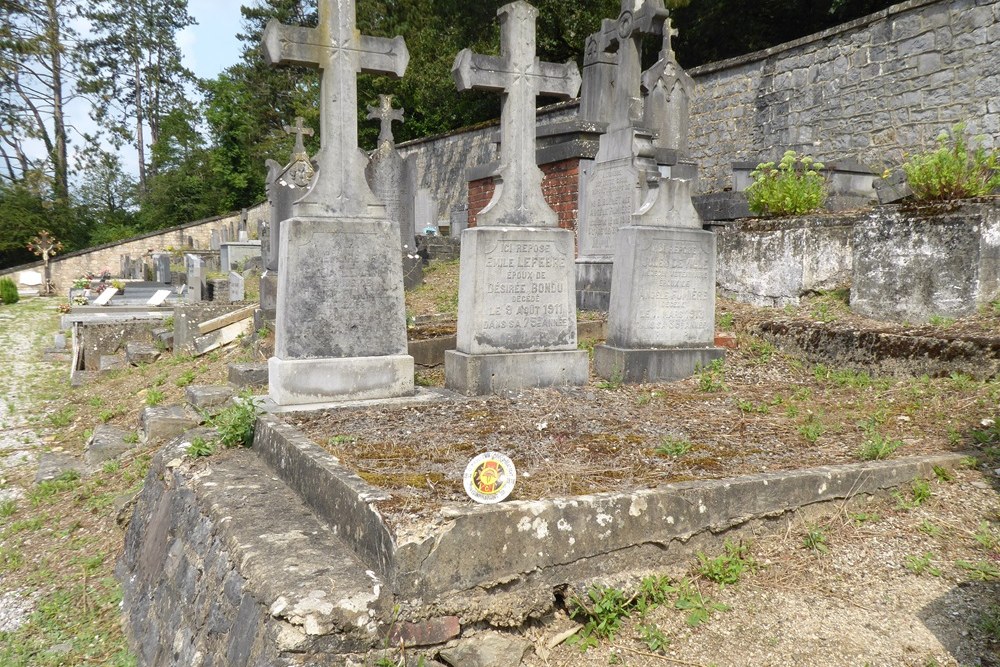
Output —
(202, 397)
(248, 375)
(106, 443)
(160, 424)
(137, 353)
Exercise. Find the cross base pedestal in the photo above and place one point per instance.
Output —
(305, 381)
(481, 374)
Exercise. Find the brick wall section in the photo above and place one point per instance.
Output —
(873, 89)
(560, 185)
(197, 235)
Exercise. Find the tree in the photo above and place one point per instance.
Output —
(106, 198)
(132, 65)
(33, 69)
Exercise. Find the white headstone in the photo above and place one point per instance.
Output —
(158, 298)
(104, 297)
(30, 278)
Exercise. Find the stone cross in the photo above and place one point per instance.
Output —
(336, 47)
(669, 90)
(300, 131)
(637, 18)
(385, 113)
(521, 77)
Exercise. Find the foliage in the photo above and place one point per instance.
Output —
(237, 421)
(954, 170)
(8, 291)
(793, 186)
(200, 447)
(728, 567)
(877, 447)
(922, 564)
(670, 446)
(712, 378)
(815, 540)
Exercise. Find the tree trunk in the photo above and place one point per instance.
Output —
(140, 141)
(59, 157)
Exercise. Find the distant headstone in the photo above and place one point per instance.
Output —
(517, 312)
(104, 297)
(215, 240)
(158, 298)
(385, 171)
(340, 331)
(225, 235)
(196, 285)
(614, 185)
(161, 262)
(425, 212)
(459, 220)
(244, 236)
(233, 256)
(237, 287)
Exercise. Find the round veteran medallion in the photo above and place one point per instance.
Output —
(490, 478)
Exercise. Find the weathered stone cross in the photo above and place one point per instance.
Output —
(299, 130)
(340, 52)
(385, 113)
(521, 77)
(637, 18)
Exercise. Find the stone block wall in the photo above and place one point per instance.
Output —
(560, 185)
(873, 89)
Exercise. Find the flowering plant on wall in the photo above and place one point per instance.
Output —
(793, 186)
(954, 170)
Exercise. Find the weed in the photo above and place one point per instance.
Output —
(154, 396)
(62, 418)
(654, 638)
(587, 344)
(986, 538)
(726, 321)
(793, 186)
(815, 540)
(237, 421)
(160, 380)
(943, 474)
(107, 415)
(939, 321)
(111, 467)
(95, 402)
(728, 567)
(10, 559)
(612, 383)
(711, 378)
(812, 429)
(8, 291)
(200, 447)
(762, 351)
(603, 615)
(670, 446)
(421, 379)
(980, 570)
(878, 448)
(990, 623)
(921, 564)
(749, 407)
(954, 170)
(7, 508)
(131, 438)
(45, 490)
(962, 381)
(186, 378)
(645, 399)
(865, 517)
(929, 529)
(699, 608)
(921, 489)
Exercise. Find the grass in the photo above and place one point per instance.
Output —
(815, 540)
(674, 447)
(878, 447)
(727, 568)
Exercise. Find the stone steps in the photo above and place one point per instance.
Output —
(259, 578)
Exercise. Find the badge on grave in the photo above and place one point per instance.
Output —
(490, 478)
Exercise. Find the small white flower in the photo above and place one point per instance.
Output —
(541, 426)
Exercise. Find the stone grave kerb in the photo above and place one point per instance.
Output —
(520, 77)
(340, 52)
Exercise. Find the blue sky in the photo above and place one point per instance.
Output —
(211, 46)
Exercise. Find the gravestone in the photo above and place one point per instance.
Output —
(237, 287)
(215, 240)
(233, 256)
(158, 298)
(195, 268)
(161, 263)
(340, 332)
(285, 185)
(615, 183)
(105, 297)
(516, 312)
(669, 90)
(389, 177)
(225, 235)
(425, 212)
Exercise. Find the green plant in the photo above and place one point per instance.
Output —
(8, 291)
(762, 350)
(200, 447)
(111, 467)
(131, 438)
(186, 378)
(980, 570)
(237, 421)
(728, 567)
(62, 418)
(726, 321)
(154, 396)
(878, 447)
(920, 564)
(699, 607)
(954, 170)
(671, 446)
(815, 540)
(929, 529)
(990, 623)
(865, 517)
(939, 321)
(986, 538)
(7, 508)
(793, 186)
(943, 474)
(712, 377)
(612, 383)
(118, 284)
(812, 429)
(749, 407)
(654, 638)
(962, 381)
(603, 615)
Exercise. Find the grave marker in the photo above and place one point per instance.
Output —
(340, 331)
(158, 298)
(516, 314)
(104, 297)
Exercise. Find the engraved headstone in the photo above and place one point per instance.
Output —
(516, 313)
(161, 261)
(215, 240)
(340, 331)
(225, 235)
(105, 297)
(195, 268)
(669, 90)
(237, 287)
(425, 212)
(614, 185)
(158, 297)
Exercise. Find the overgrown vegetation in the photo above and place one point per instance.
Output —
(958, 168)
(793, 186)
(8, 291)
(236, 422)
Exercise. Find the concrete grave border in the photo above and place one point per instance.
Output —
(476, 560)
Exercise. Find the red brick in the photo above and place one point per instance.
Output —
(425, 633)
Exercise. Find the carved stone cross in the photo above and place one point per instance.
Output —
(385, 113)
(637, 18)
(337, 48)
(299, 130)
(521, 77)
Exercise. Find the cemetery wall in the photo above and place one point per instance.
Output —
(196, 235)
(873, 89)
(560, 187)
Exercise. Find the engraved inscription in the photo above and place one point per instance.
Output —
(610, 204)
(676, 293)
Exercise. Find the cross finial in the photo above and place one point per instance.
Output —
(669, 32)
(385, 113)
(299, 130)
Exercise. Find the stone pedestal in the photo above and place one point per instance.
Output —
(269, 294)
(341, 318)
(517, 312)
(661, 325)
